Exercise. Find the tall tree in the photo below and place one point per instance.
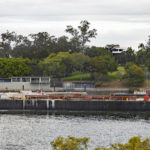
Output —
(57, 65)
(134, 75)
(7, 39)
(97, 51)
(63, 45)
(80, 62)
(81, 35)
(43, 44)
(130, 55)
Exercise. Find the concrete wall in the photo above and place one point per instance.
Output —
(74, 105)
(27, 86)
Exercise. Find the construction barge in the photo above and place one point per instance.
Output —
(60, 102)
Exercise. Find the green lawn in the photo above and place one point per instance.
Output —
(83, 76)
(117, 74)
(86, 76)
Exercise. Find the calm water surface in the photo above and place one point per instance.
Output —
(33, 132)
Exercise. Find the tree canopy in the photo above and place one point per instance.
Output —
(43, 54)
(81, 35)
(14, 67)
(134, 75)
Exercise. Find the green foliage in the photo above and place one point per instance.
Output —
(98, 78)
(130, 55)
(60, 57)
(134, 75)
(85, 76)
(141, 57)
(63, 64)
(110, 63)
(35, 68)
(81, 35)
(113, 75)
(134, 143)
(14, 67)
(128, 64)
(97, 51)
(70, 143)
(121, 69)
(80, 62)
(102, 64)
(148, 63)
(117, 74)
(6, 40)
(98, 64)
(57, 65)
(127, 56)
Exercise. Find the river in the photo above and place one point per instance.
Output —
(34, 132)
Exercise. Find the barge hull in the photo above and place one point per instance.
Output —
(75, 105)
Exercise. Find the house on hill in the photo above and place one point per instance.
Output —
(114, 49)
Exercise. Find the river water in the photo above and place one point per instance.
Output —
(34, 132)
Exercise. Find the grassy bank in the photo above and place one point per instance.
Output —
(86, 76)
(78, 77)
(117, 74)
(114, 79)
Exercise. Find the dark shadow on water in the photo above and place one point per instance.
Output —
(86, 114)
(109, 114)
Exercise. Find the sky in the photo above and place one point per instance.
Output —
(124, 22)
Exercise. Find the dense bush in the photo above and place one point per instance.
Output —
(14, 67)
(134, 75)
(72, 143)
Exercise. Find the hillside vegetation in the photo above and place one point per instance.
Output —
(71, 59)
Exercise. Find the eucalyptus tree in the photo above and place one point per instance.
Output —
(81, 35)
(7, 39)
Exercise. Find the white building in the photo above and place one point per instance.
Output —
(114, 49)
(27, 83)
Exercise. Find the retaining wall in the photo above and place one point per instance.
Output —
(56, 105)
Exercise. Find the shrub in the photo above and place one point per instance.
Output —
(134, 75)
(72, 143)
